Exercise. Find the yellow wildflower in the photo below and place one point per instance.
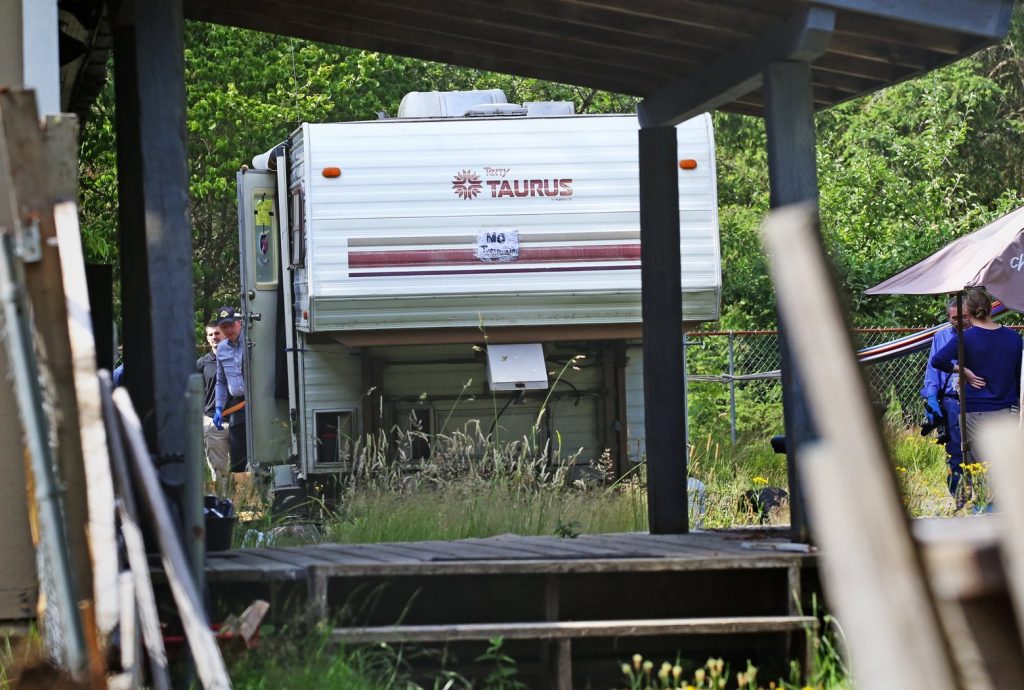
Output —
(760, 481)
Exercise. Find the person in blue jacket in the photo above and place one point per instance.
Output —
(992, 363)
(942, 405)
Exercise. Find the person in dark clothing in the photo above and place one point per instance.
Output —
(215, 440)
(942, 405)
(992, 364)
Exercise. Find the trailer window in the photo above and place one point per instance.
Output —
(264, 241)
(297, 223)
(335, 435)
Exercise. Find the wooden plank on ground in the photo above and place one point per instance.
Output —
(519, 550)
(346, 555)
(873, 572)
(554, 630)
(652, 546)
(376, 551)
(571, 548)
(293, 556)
(244, 561)
(459, 550)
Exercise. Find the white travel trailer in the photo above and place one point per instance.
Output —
(437, 267)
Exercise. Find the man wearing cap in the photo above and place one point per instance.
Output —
(230, 387)
(216, 440)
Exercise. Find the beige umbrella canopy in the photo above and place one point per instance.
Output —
(992, 257)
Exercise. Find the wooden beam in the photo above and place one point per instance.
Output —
(803, 36)
(154, 228)
(569, 630)
(793, 178)
(984, 18)
(661, 296)
(468, 51)
(515, 29)
(680, 16)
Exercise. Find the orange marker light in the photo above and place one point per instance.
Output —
(332, 172)
(688, 164)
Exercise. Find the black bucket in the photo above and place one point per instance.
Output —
(220, 523)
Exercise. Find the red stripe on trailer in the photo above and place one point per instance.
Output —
(493, 268)
(450, 257)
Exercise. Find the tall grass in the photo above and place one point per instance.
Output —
(475, 486)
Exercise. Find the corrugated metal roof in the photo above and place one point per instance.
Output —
(636, 47)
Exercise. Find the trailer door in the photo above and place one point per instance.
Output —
(267, 425)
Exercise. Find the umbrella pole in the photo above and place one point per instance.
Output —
(965, 446)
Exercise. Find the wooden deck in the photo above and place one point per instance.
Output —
(567, 607)
(766, 548)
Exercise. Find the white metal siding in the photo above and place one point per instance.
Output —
(331, 380)
(387, 241)
(407, 383)
(635, 434)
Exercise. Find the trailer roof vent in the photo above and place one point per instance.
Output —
(516, 367)
(549, 108)
(446, 103)
(495, 110)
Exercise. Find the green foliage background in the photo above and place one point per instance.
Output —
(902, 172)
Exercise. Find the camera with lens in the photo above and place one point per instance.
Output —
(938, 425)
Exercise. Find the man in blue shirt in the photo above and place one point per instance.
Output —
(230, 386)
(942, 405)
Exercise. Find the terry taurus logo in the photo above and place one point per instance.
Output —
(466, 184)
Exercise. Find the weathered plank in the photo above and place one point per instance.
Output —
(39, 360)
(205, 652)
(893, 630)
(138, 564)
(353, 555)
(554, 630)
(60, 137)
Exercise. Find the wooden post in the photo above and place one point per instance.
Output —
(793, 178)
(155, 234)
(661, 280)
(873, 572)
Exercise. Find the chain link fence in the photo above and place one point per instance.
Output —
(734, 387)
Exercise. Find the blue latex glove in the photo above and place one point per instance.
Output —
(933, 407)
(218, 418)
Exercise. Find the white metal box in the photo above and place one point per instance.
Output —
(516, 367)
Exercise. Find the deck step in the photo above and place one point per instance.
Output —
(564, 630)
